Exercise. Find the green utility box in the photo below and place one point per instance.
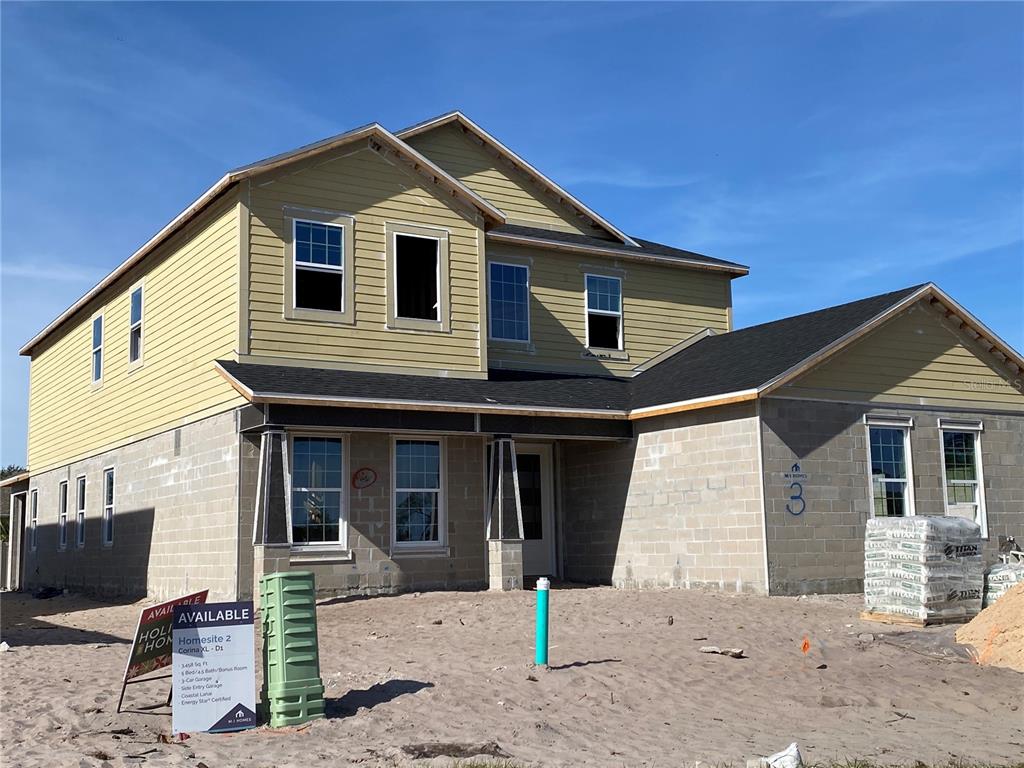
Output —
(293, 692)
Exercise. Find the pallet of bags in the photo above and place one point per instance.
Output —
(1000, 579)
(922, 570)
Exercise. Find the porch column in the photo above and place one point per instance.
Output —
(271, 526)
(504, 518)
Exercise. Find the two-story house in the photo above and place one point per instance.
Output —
(411, 360)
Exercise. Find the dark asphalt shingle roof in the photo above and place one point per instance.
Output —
(715, 365)
(647, 247)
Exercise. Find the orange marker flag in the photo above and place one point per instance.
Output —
(805, 646)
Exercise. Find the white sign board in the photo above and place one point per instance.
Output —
(214, 668)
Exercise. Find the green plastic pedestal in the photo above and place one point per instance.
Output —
(292, 689)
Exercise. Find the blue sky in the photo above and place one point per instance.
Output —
(839, 149)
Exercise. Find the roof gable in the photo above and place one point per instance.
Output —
(471, 168)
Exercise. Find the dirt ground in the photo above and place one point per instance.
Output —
(627, 685)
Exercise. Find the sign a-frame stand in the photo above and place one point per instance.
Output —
(151, 647)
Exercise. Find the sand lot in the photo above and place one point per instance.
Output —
(627, 686)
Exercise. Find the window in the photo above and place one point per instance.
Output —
(108, 507)
(318, 492)
(418, 502)
(135, 327)
(509, 292)
(33, 519)
(62, 515)
(892, 493)
(417, 277)
(318, 265)
(97, 348)
(961, 472)
(80, 512)
(604, 312)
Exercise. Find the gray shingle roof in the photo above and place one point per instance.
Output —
(647, 247)
(715, 365)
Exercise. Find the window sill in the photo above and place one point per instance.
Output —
(513, 345)
(595, 353)
(399, 552)
(326, 316)
(414, 324)
(315, 555)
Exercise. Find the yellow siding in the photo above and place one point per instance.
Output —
(914, 358)
(365, 185)
(522, 200)
(661, 307)
(189, 320)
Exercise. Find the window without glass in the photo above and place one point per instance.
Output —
(62, 514)
(108, 507)
(417, 492)
(318, 514)
(509, 292)
(80, 512)
(962, 473)
(889, 478)
(416, 277)
(135, 327)
(33, 519)
(604, 312)
(97, 348)
(319, 266)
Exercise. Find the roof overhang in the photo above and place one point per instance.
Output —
(14, 479)
(380, 138)
(581, 248)
(517, 161)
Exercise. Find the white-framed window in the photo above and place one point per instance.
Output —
(33, 519)
(892, 487)
(319, 263)
(80, 511)
(62, 515)
(319, 493)
(97, 349)
(108, 507)
(417, 265)
(508, 292)
(962, 476)
(604, 311)
(418, 493)
(135, 326)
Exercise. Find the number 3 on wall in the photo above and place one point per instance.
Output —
(798, 496)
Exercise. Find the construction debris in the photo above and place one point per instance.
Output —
(736, 653)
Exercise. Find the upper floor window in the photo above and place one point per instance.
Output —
(509, 292)
(961, 471)
(97, 348)
(892, 491)
(604, 312)
(80, 512)
(418, 277)
(135, 327)
(62, 514)
(108, 507)
(318, 265)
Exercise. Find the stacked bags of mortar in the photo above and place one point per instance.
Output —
(1000, 579)
(927, 568)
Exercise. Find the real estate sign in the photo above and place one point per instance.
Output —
(214, 670)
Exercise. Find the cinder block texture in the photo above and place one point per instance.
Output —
(372, 565)
(822, 549)
(679, 506)
(175, 517)
(505, 565)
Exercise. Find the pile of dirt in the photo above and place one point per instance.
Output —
(997, 633)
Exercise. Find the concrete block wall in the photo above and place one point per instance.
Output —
(679, 506)
(369, 566)
(175, 518)
(822, 549)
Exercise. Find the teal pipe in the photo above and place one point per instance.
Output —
(540, 657)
